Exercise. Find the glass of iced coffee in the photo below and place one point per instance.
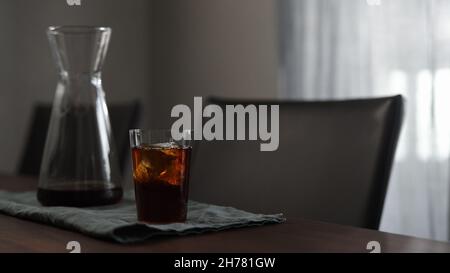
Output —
(161, 175)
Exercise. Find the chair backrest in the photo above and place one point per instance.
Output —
(122, 116)
(333, 163)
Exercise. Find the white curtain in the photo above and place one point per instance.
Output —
(367, 48)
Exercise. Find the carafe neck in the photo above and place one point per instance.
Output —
(79, 51)
(81, 80)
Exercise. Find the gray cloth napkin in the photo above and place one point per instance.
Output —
(119, 222)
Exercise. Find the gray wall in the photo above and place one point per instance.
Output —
(211, 47)
(9, 129)
(162, 52)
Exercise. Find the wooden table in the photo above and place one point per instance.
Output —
(296, 235)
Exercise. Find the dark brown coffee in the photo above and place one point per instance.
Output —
(161, 180)
(85, 195)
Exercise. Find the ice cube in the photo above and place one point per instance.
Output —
(160, 162)
(166, 145)
(141, 174)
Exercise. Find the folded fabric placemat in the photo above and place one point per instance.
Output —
(119, 222)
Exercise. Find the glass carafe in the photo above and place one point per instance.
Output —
(79, 166)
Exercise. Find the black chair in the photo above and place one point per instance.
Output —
(122, 116)
(333, 163)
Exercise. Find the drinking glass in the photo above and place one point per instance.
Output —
(161, 175)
